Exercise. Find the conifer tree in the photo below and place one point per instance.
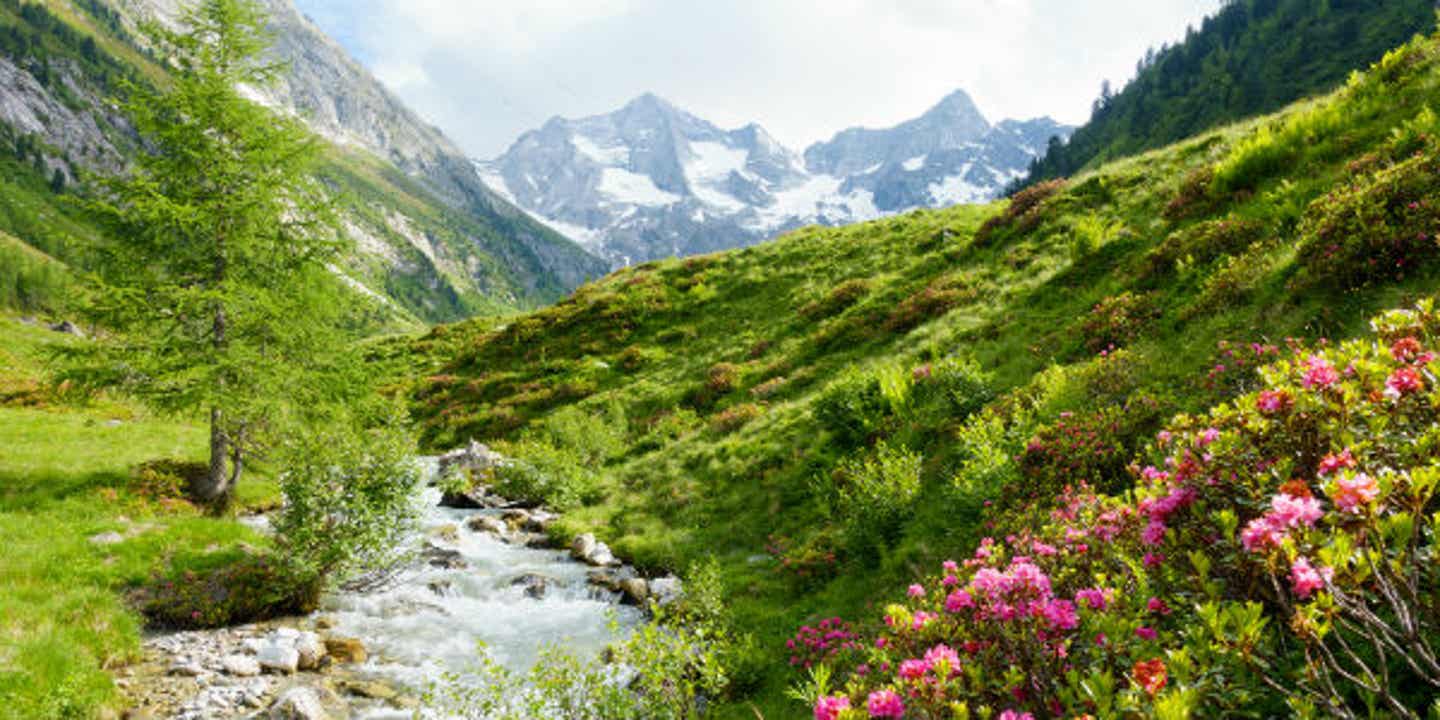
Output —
(216, 287)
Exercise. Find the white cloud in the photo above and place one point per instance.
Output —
(487, 71)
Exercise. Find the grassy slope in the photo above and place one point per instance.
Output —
(643, 342)
(64, 477)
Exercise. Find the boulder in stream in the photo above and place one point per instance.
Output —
(487, 523)
(441, 557)
(345, 650)
(534, 585)
(298, 703)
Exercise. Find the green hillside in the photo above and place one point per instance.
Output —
(1250, 57)
(834, 413)
(427, 260)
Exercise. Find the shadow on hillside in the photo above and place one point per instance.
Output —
(29, 492)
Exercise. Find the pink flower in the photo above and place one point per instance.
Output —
(1210, 435)
(1306, 579)
(1331, 463)
(1260, 533)
(950, 581)
(922, 619)
(1154, 559)
(1405, 349)
(957, 601)
(1156, 605)
(885, 704)
(916, 591)
(1094, 598)
(1294, 511)
(950, 566)
(1154, 533)
(943, 660)
(1353, 492)
(1013, 715)
(1403, 382)
(1319, 373)
(914, 669)
(1271, 402)
(1145, 633)
(830, 706)
(1061, 615)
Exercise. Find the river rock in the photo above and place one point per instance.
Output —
(186, 668)
(297, 703)
(473, 457)
(278, 657)
(534, 584)
(583, 546)
(602, 557)
(667, 589)
(515, 518)
(345, 650)
(487, 523)
(372, 689)
(443, 588)
(441, 557)
(311, 651)
(634, 591)
(448, 533)
(464, 500)
(539, 521)
(240, 665)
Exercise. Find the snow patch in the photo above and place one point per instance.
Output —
(611, 156)
(914, 163)
(955, 189)
(709, 166)
(628, 187)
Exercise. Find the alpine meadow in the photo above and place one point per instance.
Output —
(308, 411)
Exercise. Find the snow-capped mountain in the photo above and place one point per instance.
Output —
(651, 180)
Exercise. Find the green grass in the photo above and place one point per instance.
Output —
(790, 316)
(64, 477)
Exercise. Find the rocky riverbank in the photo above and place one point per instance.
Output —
(294, 669)
(487, 569)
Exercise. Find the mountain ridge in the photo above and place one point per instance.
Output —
(651, 179)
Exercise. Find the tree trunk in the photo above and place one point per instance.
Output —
(214, 488)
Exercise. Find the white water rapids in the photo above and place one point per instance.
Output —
(431, 621)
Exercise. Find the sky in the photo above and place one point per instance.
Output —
(485, 71)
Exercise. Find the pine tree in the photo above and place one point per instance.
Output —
(216, 285)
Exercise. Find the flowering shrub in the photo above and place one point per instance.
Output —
(1382, 227)
(735, 417)
(1233, 371)
(1278, 552)
(231, 592)
(838, 299)
(1023, 213)
(1115, 321)
(1202, 243)
(1093, 447)
(809, 564)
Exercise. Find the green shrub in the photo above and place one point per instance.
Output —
(1022, 215)
(931, 302)
(349, 503)
(838, 299)
(225, 590)
(872, 493)
(852, 408)
(541, 473)
(30, 282)
(167, 480)
(735, 417)
(594, 435)
(949, 390)
(722, 378)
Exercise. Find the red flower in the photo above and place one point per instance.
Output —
(1150, 675)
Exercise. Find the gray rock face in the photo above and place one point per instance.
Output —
(651, 180)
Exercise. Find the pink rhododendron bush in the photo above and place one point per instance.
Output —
(1275, 557)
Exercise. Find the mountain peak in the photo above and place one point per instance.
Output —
(648, 102)
(956, 104)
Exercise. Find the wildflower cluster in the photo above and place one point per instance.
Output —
(1303, 515)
